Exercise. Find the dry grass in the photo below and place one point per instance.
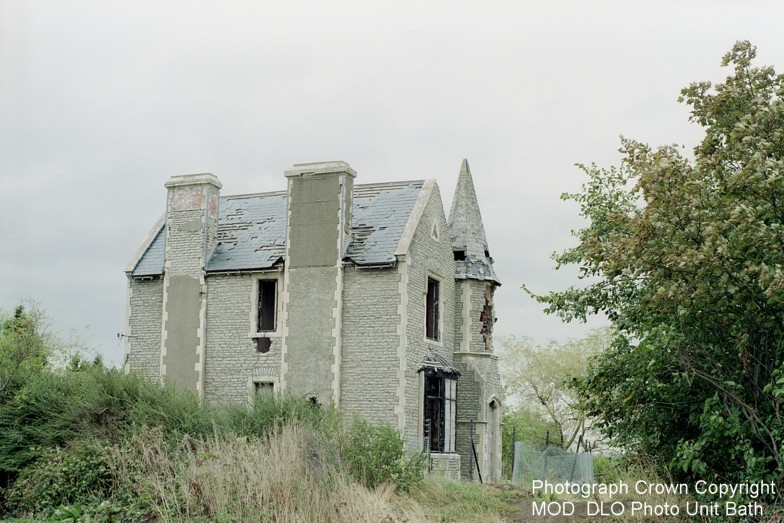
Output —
(290, 475)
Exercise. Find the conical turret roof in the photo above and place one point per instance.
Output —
(472, 255)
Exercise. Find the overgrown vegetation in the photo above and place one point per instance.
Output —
(116, 445)
(83, 442)
(686, 258)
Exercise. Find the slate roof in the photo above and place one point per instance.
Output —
(468, 233)
(252, 229)
(151, 263)
(379, 213)
(251, 232)
(436, 362)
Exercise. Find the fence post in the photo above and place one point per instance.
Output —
(426, 445)
(514, 449)
(517, 462)
(576, 454)
(471, 454)
(546, 446)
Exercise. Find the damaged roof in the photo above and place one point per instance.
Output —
(252, 229)
(435, 362)
(379, 213)
(468, 233)
(251, 232)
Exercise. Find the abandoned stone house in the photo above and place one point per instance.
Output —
(362, 296)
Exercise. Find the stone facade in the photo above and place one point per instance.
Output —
(380, 305)
(231, 341)
(143, 334)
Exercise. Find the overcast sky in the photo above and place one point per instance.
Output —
(102, 101)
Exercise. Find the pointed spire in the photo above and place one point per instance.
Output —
(467, 232)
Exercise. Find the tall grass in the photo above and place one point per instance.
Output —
(94, 444)
(286, 475)
(175, 459)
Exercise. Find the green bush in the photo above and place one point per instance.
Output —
(84, 402)
(64, 437)
(267, 413)
(50, 411)
(77, 475)
(374, 455)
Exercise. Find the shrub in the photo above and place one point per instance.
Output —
(267, 413)
(89, 401)
(50, 411)
(374, 455)
(80, 474)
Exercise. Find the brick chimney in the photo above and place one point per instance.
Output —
(191, 234)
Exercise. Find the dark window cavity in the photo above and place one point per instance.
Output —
(264, 389)
(431, 320)
(440, 411)
(459, 255)
(266, 306)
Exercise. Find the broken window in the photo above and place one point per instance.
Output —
(266, 319)
(459, 255)
(264, 389)
(487, 317)
(432, 314)
(440, 410)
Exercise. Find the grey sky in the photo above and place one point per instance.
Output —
(102, 101)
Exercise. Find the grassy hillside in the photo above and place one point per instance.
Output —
(93, 444)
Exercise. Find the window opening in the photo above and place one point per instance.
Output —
(459, 255)
(266, 306)
(264, 389)
(432, 318)
(440, 411)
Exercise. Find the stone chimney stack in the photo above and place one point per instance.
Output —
(191, 235)
(319, 224)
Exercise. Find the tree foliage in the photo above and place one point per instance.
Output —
(23, 350)
(685, 256)
(541, 378)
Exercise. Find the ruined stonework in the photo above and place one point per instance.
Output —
(364, 296)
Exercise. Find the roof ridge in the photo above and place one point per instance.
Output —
(252, 195)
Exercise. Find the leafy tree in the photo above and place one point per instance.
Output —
(685, 256)
(22, 348)
(541, 378)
